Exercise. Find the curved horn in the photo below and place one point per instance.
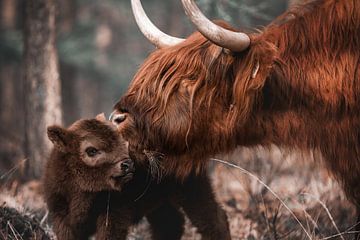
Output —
(151, 32)
(234, 41)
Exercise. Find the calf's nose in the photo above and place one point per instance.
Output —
(127, 166)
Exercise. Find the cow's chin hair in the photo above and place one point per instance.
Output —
(155, 168)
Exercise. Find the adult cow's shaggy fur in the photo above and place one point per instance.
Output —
(297, 85)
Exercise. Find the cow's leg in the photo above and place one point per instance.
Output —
(166, 222)
(357, 224)
(352, 190)
(202, 209)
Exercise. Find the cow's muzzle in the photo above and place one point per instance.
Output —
(116, 118)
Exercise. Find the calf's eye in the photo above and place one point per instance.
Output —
(91, 151)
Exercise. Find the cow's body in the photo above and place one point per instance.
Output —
(297, 85)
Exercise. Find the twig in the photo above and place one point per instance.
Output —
(107, 210)
(339, 234)
(2, 234)
(309, 217)
(353, 226)
(149, 179)
(266, 215)
(13, 230)
(273, 223)
(144, 192)
(44, 217)
(327, 212)
(347, 231)
(12, 170)
(267, 187)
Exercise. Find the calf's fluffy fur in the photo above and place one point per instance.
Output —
(91, 188)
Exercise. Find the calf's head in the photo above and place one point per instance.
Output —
(93, 153)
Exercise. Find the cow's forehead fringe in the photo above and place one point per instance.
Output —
(216, 72)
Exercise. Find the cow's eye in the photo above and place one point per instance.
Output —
(91, 151)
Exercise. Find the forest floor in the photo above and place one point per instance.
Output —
(296, 199)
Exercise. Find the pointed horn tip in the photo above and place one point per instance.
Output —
(150, 31)
(234, 41)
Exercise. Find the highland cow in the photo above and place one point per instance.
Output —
(296, 84)
(93, 187)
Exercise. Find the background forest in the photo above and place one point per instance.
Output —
(98, 49)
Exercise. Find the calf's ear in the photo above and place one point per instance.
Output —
(59, 136)
(101, 117)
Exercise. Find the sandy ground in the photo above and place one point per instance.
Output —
(295, 200)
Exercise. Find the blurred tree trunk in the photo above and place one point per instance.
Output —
(66, 19)
(10, 109)
(66, 16)
(8, 13)
(70, 98)
(41, 83)
(174, 22)
(11, 94)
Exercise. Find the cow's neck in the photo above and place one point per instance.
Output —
(313, 91)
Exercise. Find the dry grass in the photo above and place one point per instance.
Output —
(305, 188)
(306, 192)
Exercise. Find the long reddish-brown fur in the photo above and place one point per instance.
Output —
(195, 99)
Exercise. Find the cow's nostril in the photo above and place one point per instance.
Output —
(118, 118)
